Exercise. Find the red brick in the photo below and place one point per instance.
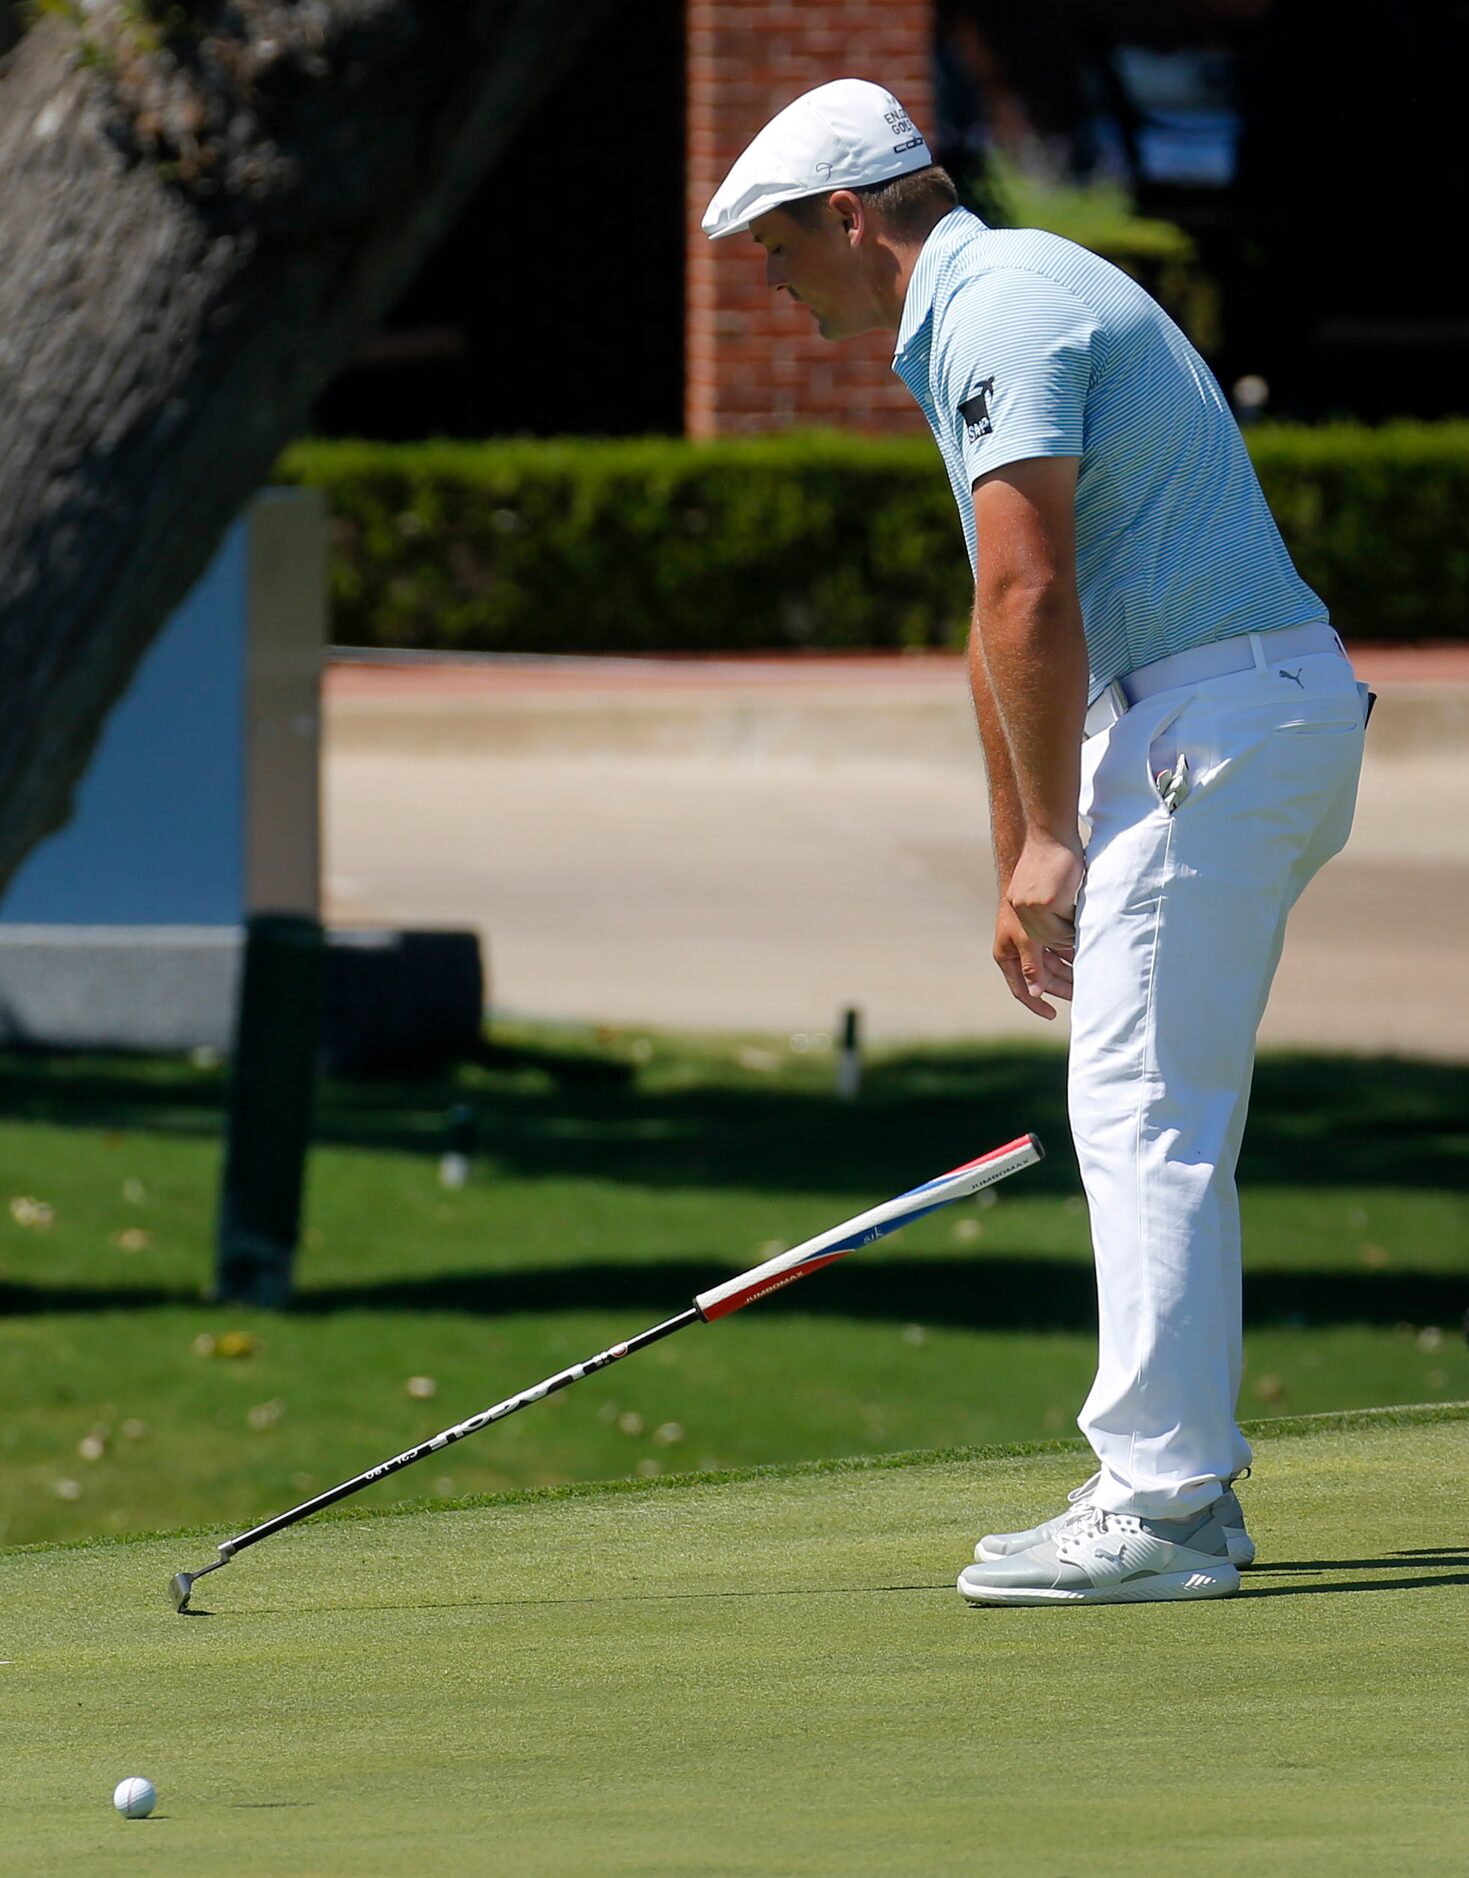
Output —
(754, 362)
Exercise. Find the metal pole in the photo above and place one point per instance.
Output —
(272, 1083)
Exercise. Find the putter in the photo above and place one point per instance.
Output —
(720, 1301)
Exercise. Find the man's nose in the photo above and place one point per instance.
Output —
(774, 276)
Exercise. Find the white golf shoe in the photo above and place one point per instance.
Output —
(1006, 1544)
(1094, 1557)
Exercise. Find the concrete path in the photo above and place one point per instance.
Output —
(758, 843)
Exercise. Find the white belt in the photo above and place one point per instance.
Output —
(1212, 661)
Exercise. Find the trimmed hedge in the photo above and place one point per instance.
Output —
(805, 540)
(1376, 521)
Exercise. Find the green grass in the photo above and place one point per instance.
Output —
(761, 1675)
(617, 1175)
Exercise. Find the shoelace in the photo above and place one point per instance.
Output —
(1088, 1522)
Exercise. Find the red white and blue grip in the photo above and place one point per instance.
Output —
(786, 1267)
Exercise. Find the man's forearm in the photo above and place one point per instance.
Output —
(1007, 817)
(1033, 652)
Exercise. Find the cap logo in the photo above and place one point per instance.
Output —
(823, 169)
(913, 143)
(899, 121)
(975, 410)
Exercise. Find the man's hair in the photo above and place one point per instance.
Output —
(908, 205)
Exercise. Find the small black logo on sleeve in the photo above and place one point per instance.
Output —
(975, 410)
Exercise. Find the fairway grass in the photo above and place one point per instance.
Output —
(761, 1675)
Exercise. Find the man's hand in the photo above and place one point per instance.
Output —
(1032, 972)
(1043, 889)
(1035, 932)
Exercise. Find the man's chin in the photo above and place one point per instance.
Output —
(828, 326)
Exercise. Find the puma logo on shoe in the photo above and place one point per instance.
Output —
(1116, 1558)
(1294, 677)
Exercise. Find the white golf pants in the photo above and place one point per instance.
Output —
(1180, 925)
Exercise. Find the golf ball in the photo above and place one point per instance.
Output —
(135, 1797)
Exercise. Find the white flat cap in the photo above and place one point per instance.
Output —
(839, 136)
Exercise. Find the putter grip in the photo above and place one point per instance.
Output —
(865, 1228)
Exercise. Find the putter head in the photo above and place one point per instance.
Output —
(182, 1583)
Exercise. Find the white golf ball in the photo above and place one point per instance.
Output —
(135, 1797)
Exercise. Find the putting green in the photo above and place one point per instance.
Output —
(761, 1674)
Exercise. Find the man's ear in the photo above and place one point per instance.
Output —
(853, 213)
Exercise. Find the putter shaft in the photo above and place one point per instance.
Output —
(183, 1582)
(720, 1301)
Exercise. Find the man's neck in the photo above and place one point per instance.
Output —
(905, 254)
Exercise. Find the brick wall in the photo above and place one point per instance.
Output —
(753, 361)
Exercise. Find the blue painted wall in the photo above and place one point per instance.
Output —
(158, 834)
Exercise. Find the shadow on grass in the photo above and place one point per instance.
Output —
(1444, 1555)
(1252, 1590)
(689, 1119)
(976, 1293)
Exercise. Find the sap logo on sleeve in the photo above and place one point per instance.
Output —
(975, 410)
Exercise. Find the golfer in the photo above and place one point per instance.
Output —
(1172, 735)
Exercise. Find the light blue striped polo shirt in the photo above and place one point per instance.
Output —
(1020, 344)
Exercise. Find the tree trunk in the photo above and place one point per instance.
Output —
(206, 209)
